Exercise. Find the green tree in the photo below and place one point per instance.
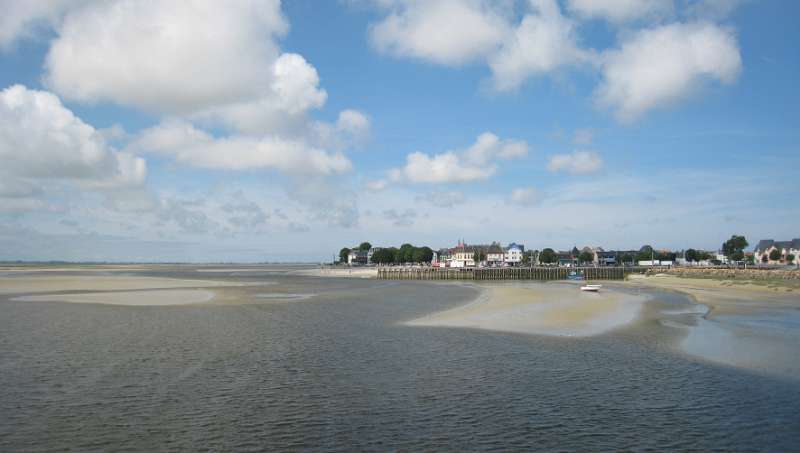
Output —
(364, 246)
(691, 255)
(734, 247)
(586, 257)
(775, 255)
(343, 254)
(790, 258)
(406, 253)
(548, 256)
(645, 253)
(422, 254)
(383, 256)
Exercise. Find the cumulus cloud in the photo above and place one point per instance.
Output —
(524, 196)
(619, 11)
(378, 184)
(163, 57)
(354, 123)
(660, 66)
(576, 163)
(474, 163)
(20, 19)
(187, 144)
(43, 143)
(544, 41)
(449, 32)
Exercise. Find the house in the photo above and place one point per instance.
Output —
(361, 257)
(462, 255)
(566, 259)
(513, 255)
(495, 255)
(605, 258)
(785, 248)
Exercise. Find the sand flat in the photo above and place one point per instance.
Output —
(24, 284)
(134, 298)
(543, 309)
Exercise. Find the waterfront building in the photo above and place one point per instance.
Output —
(785, 248)
(513, 255)
(495, 255)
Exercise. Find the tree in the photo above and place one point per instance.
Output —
(422, 254)
(790, 258)
(691, 255)
(586, 257)
(775, 255)
(645, 253)
(344, 253)
(575, 252)
(764, 259)
(548, 256)
(734, 247)
(383, 256)
(406, 253)
(364, 247)
(478, 256)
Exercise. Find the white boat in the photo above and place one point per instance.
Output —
(593, 288)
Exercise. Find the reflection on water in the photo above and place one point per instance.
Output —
(339, 372)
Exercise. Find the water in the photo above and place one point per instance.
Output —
(337, 372)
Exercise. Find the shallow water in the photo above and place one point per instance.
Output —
(339, 372)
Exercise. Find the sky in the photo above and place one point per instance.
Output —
(259, 130)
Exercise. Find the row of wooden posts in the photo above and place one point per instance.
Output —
(506, 273)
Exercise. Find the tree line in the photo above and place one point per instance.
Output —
(406, 253)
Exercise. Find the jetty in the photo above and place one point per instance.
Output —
(542, 273)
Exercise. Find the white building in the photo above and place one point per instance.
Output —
(495, 255)
(513, 255)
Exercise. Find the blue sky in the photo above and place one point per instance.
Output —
(259, 131)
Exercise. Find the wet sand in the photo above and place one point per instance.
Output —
(132, 298)
(543, 309)
(357, 272)
(737, 324)
(25, 284)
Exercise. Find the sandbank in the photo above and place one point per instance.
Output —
(356, 272)
(738, 324)
(23, 284)
(135, 298)
(543, 309)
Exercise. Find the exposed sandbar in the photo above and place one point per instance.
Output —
(358, 272)
(23, 284)
(544, 309)
(137, 298)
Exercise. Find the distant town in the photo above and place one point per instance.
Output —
(766, 253)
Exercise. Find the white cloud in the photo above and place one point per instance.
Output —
(293, 91)
(185, 143)
(576, 163)
(354, 123)
(662, 65)
(619, 11)
(169, 56)
(524, 196)
(20, 19)
(42, 143)
(544, 41)
(449, 32)
(475, 163)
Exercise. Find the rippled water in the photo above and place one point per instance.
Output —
(337, 372)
